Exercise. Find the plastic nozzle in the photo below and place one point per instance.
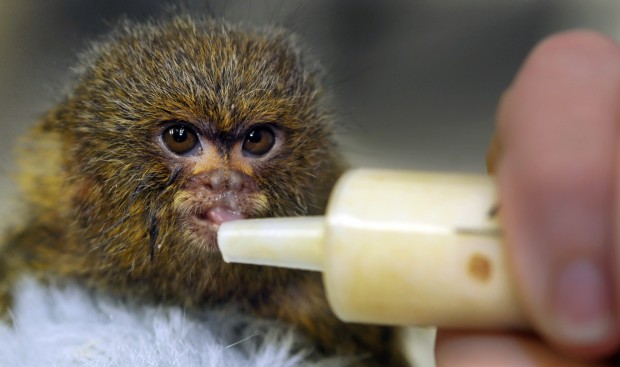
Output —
(285, 242)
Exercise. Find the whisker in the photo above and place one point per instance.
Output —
(153, 222)
(139, 189)
(243, 340)
(153, 234)
(173, 177)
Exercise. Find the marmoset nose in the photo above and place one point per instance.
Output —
(221, 180)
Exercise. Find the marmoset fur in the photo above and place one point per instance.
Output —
(171, 128)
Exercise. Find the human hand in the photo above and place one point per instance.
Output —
(555, 156)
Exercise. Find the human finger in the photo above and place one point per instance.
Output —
(557, 125)
(487, 349)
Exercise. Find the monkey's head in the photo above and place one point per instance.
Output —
(176, 127)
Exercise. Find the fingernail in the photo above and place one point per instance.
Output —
(580, 304)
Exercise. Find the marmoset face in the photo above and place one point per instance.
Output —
(176, 128)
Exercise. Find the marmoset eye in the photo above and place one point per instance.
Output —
(180, 138)
(258, 141)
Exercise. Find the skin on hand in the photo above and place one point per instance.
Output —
(465, 349)
(555, 158)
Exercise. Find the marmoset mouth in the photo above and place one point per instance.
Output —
(201, 214)
(220, 214)
(205, 222)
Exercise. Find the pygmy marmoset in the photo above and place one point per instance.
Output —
(171, 128)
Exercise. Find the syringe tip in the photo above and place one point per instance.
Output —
(284, 242)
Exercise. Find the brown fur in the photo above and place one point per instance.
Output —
(108, 204)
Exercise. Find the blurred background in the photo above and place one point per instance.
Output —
(415, 82)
